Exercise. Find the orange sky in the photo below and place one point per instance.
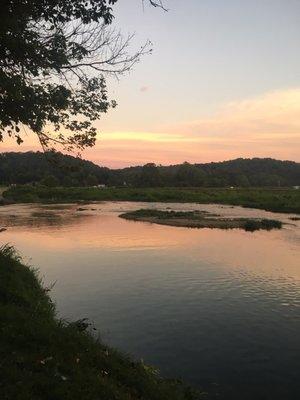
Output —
(262, 126)
(222, 82)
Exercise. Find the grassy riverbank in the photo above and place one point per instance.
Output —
(43, 357)
(278, 200)
(200, 219)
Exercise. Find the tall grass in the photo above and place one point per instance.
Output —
(281, 200)
(44, 357)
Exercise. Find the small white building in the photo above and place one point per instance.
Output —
(296, 187)
(102, 186)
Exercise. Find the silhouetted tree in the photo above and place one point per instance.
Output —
(242, 180)
(50, 181)
(150, 176)
(91, 180)
(54, 56)
(189, 175)
(32, 167)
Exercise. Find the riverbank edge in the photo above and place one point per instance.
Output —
(43, 356)
(275, 200)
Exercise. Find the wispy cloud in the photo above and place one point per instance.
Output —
(264, 126)
(272, 115)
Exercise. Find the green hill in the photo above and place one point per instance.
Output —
(56, 169)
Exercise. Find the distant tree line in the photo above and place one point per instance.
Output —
(50, 169)
(56, 169)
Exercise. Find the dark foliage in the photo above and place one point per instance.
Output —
(22, 168)
(267, 224)
(281, 200)
(198, 219)
(50, 169)
(255, 172)
(55, 56)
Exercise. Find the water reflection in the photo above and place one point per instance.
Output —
(39, 216)
(219, 308)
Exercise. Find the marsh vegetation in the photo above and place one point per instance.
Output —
(198, 219)
(279, 200)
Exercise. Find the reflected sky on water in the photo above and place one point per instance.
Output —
(219, 308)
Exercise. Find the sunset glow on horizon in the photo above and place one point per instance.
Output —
(214, 89)
(266, 126)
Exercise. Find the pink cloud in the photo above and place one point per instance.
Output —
(144, 89)
(265, 126)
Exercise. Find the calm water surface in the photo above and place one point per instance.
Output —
(220, 309)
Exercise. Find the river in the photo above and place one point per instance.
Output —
(218, 308)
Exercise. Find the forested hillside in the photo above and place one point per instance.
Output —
(56, 169)
(51, 169)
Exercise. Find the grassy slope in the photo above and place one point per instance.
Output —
(43, 357)
(281, 200)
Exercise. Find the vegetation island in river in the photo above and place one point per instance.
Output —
(200, 219)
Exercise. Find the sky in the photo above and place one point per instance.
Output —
(223, 82)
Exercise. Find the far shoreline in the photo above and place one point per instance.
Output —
(280, 200)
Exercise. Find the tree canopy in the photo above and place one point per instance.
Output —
(55, 56)
(32, 168)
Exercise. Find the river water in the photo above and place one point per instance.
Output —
(218, 308)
